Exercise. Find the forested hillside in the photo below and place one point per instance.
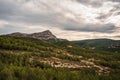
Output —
(100, 44)
(24, 58)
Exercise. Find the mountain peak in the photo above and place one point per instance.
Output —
(48, 32)
(45, 35)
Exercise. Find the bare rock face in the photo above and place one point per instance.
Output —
(45, 35)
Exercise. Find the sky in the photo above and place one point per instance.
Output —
(67, 19)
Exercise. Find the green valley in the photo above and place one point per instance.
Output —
(24, 58)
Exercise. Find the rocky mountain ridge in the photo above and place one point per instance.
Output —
(45, 35)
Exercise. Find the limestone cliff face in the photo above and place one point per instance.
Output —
(45, 35)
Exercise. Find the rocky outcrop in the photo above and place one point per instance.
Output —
(45, 35)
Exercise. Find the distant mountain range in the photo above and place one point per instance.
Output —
(45, 35)
(34, 57)
(95, 44)
(100, 44)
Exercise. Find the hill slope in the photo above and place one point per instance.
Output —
(33, 59)
(100, 44)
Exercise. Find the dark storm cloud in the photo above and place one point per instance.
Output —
(8, 9)
(104, 16)
(107, 28)
(12, 11)
(117, 36)
(93, 3)
(114, 0)
(115, 11)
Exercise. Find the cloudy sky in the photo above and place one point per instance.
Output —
(69, 19)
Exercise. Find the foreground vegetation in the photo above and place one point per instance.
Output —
(16, 62)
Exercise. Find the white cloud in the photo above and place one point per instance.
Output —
(82, 18)
(2, 23)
